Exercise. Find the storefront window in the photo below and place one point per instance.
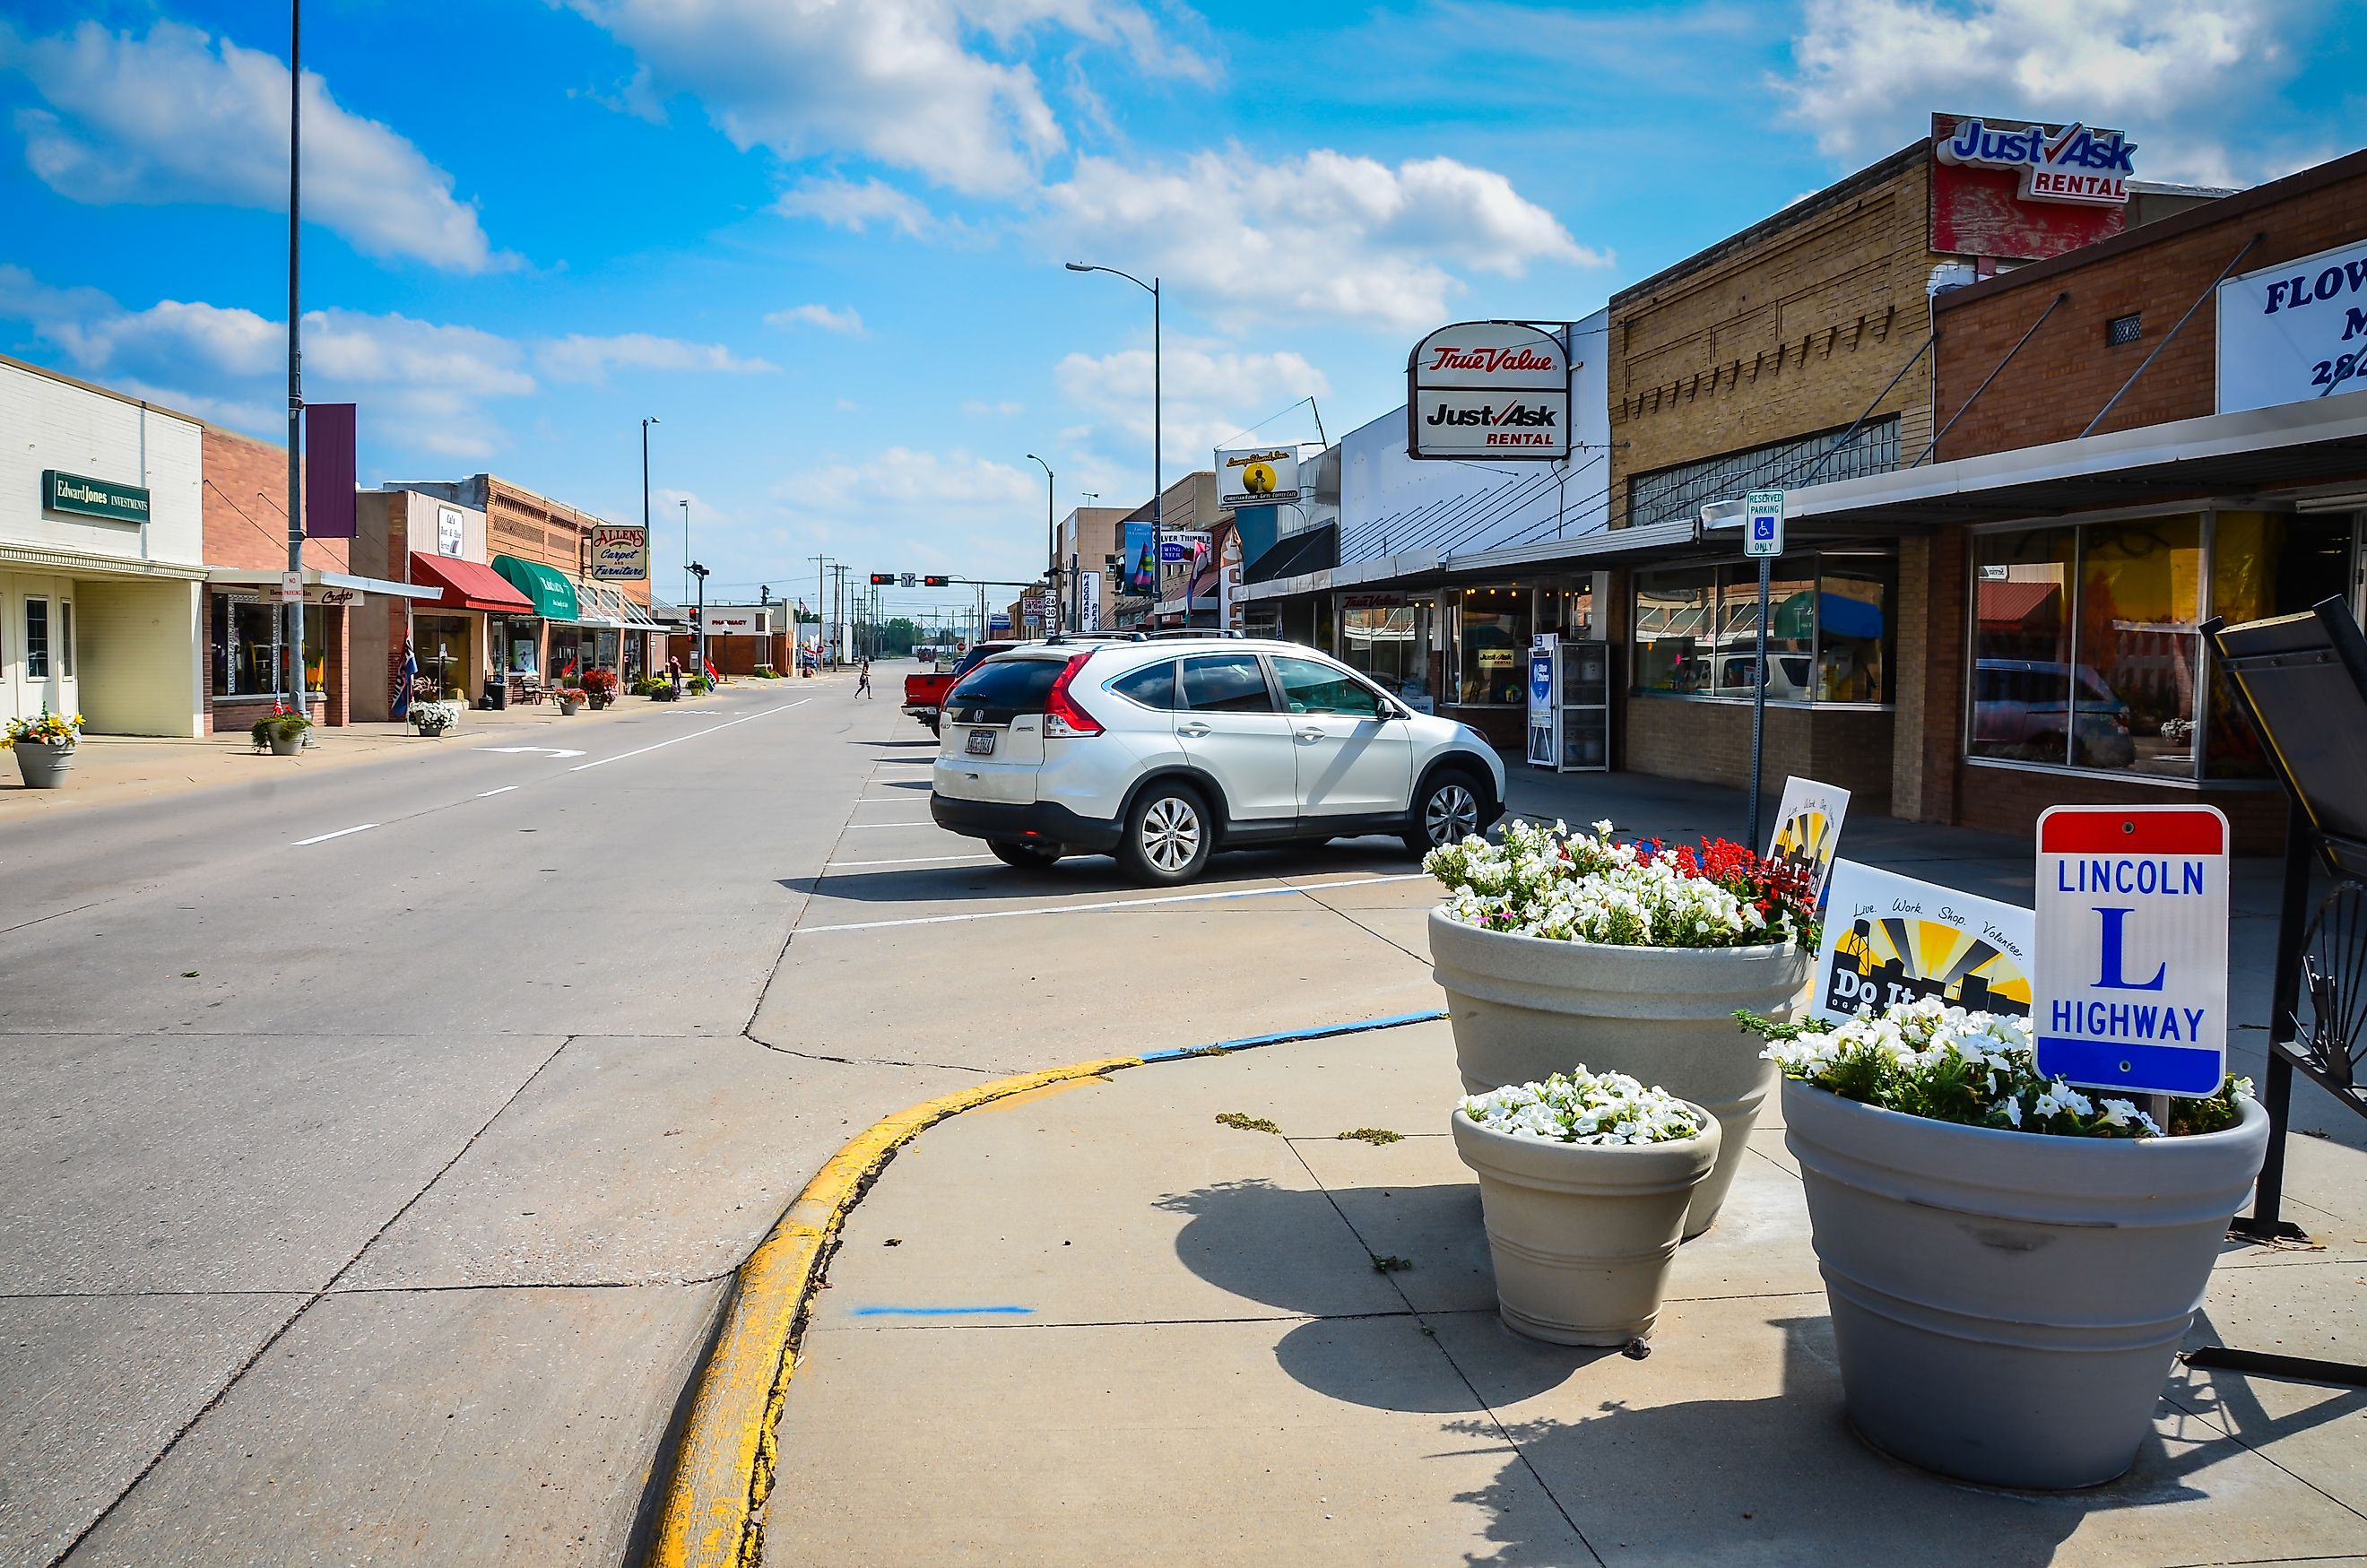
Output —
(519, 642)
(1391, 643)
(1491, 643)
(1675, 612)
(440, 644)
(1828, 630)
(245, 647)
(2021, 645)
(2261, 565)
(2086, 651)
(37, 639)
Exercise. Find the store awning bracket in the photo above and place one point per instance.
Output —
(2032, 332)
(2208, 290)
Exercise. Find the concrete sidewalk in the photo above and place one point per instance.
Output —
(108, 769)
(1094, 1325)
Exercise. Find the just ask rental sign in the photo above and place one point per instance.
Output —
(1487, 388)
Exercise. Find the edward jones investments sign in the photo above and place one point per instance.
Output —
(621, 552)
(93, 498)
(2295, 331)
(1488, 390)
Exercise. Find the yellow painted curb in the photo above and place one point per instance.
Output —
(724, 1467)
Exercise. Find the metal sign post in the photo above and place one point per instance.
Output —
(1762, 538)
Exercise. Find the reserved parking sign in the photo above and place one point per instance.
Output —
(2130, 983)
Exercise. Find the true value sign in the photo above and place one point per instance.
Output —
(2130, 984)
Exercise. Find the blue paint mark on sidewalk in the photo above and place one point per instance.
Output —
(1320, 1031)
(942, 1312)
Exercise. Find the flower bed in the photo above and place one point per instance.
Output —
(1580, 1106)
(1925, 1058)
(1565, 886)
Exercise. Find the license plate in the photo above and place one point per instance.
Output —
(981, 743)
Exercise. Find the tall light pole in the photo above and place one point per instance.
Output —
(295, 352)
(1158, 434)
(700, 572)
(1052, 542)
(645, 499)
(685, 538)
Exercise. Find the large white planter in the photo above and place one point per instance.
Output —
(1583, 1235)
(1524, 1008)
(43, 765)
(2007, 1304)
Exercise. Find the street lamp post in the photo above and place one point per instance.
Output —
(686, 537)
(645, 493)
(294, 610)
(1158, 442)
(1052, 545)
(700, 572)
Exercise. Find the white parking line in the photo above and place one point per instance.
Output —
(324, 837)
(917, 859)
(490, 792)
(1110, 904)
(678, 740)
(912, 822)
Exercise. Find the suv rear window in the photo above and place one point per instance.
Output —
(1153, 685)
(1226, 682)
(1000, 688)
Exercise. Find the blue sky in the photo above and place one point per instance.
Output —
(821, 242)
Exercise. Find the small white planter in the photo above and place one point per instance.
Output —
(2006, 1305)
(43, 765)
(1583, 1235)
(1522, 1008)
(567, 706)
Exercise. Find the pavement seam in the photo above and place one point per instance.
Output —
(1479, 1399)
(724, 1466)
(239, 1372)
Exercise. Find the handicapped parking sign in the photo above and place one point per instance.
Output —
(2129, 989)
(1762, 515)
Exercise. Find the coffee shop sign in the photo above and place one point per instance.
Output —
(2073, 163)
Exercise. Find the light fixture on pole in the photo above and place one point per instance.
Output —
(295, 364)
(700, 572)
(645, 491)
(1158, 441)
(1052, 543)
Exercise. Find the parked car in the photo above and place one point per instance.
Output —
(2024, 709)
(924, 692)
(1159, 753)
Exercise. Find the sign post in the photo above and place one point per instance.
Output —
(1762, 540)
(2130, 986)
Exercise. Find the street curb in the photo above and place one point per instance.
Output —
(725, 1464)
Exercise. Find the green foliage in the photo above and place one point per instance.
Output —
(1374, 1136)
(1248, 1123)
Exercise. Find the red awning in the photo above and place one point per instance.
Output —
(467, 585)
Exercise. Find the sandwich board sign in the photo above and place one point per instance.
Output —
(2130, 990)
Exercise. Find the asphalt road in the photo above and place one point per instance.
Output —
(377, 1143)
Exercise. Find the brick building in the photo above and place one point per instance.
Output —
(2140, 434)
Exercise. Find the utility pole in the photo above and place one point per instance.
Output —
(820, 567)
(295, 352)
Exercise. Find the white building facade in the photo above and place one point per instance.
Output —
(102, 547)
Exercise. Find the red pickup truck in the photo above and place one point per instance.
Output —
(924, 694)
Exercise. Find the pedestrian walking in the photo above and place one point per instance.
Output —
(674, 674)
(862, 680)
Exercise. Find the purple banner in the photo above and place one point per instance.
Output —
(328, 470)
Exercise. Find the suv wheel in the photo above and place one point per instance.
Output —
(1447, 812)
(1024, 857)
(1167, 835)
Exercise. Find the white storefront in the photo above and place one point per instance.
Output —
(101, 556)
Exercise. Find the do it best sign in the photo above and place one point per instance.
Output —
(2130, 988)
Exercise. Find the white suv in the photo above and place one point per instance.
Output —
(1161, 752)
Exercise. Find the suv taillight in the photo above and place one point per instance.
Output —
(1063, 720)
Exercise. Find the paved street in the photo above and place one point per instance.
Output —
(374, 1186)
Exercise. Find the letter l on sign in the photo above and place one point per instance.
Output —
(2129, 989)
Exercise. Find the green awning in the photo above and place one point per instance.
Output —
(553, 596)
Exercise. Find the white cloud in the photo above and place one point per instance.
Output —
(830, 319)
(2187, 78)
(1209, 395)
(1005, 409)
(423, 385)
(1324, 235)
(578, 357)
(900, 478)
(892, 80)
(843, 204)
(180, 116)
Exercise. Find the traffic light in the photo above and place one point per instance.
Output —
(883, 579)
(938, 580)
